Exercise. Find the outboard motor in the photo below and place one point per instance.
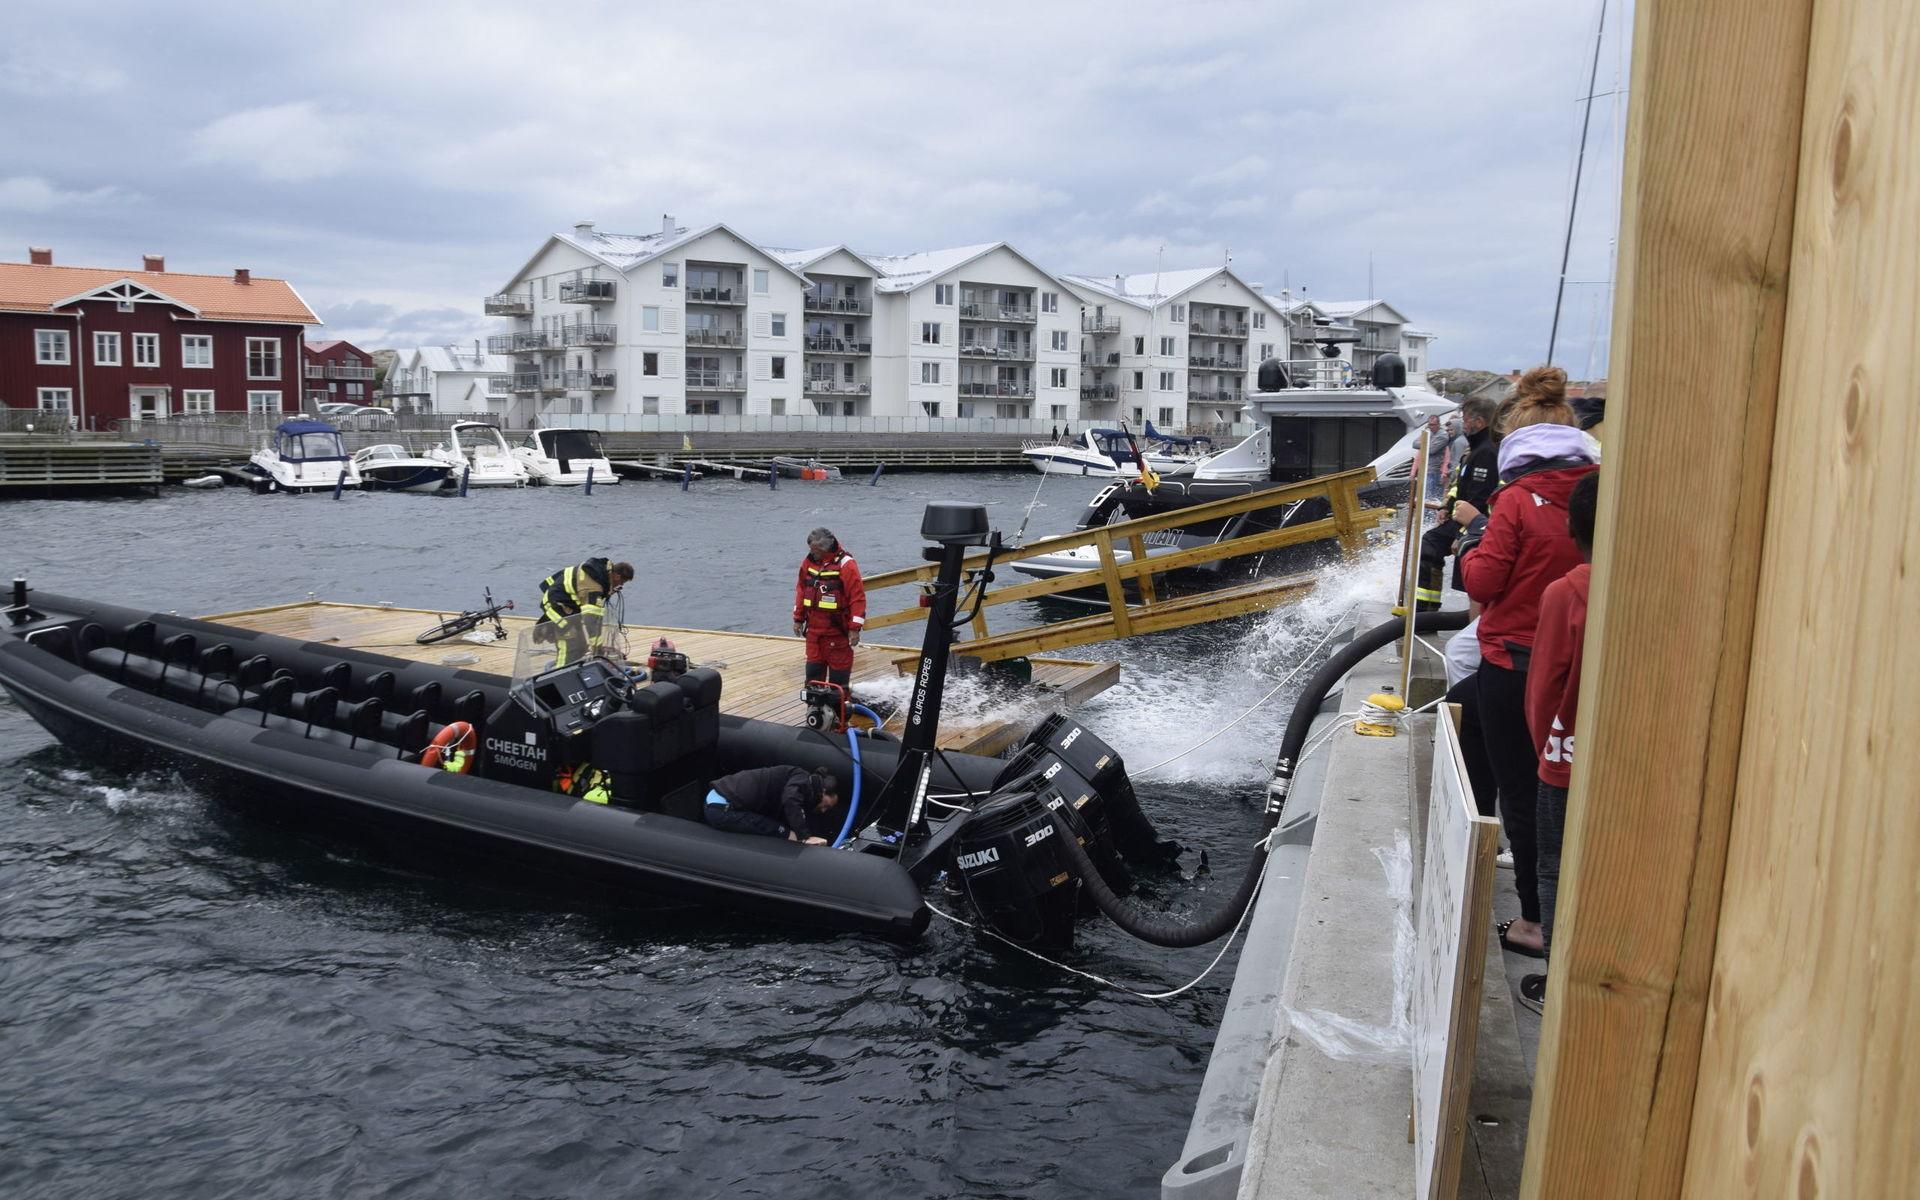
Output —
(1101, 766)
(1273, 376)
(1057, 779)
(1019, 877)
(1390, 370)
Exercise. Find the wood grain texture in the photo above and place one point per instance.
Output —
(1807, 1077)
(1712, 155)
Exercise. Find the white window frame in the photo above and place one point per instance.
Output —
(146, 350)
(1139, 381)
(1259, 320)
(257, 402)
(649, 406)
(777, 325)
(929, 333)
(192, 401)
(929, 372)
(1139, 344)
(655, 356)
(762, 279)
(109, 342)
(1058, 378)
(931, 408)
(1168, 347)
(1166, 415)
(189, 342)
(1166, 381)
(1049, 301)
(943, 294)
(48, 395)
(777, 365)
(53, 347)
(251, 354)
(1179, 313)
(1059, 339)
(650, 319)
(669, 278)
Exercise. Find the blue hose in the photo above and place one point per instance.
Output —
(853, 744)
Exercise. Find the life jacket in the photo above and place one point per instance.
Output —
(581, 589)
(584, 781)
(821, 588)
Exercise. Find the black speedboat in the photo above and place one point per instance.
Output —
(333, 736)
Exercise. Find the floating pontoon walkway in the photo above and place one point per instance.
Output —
(763, 672)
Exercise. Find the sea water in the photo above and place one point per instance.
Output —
(197, 1003)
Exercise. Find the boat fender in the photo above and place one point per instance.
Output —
(452, 749)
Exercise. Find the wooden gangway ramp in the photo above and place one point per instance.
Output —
(1136, 589)
(762, 672)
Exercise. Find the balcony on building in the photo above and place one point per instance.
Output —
(526, 383)
(997, 351)
(1100, 362)
(848, 306)
(336, 371)
(997, 311)
(586, 291)
(1215, 362)
(589, 381)
(729, 295)
(499, 384)
(1013, 389)
(1217, 327)
(710, 336)
(833, 343)
(527, 341)
(510, 304)
(1215, 396)
(837, 387)
(716, 381)
(589, 335)
(1100, 391)
(1096, 325)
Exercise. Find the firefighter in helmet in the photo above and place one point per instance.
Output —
(574, 603)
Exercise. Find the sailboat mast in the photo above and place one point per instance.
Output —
(1566, 249)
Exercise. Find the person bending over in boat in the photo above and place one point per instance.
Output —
(771, 802)
(573, 604)
(829, 606)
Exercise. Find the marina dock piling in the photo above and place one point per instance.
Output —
(466, 473)
(877, 468)
(587, 488)
(773, 477)
(686, 477)
(339, 484)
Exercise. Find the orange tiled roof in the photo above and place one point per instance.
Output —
(30, 287)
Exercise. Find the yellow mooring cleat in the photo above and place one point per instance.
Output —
(1380, 715)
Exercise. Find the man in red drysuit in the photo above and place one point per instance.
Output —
(829, 606)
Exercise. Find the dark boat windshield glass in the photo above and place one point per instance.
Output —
(571, 443)
(1308, 447)
(310, 447)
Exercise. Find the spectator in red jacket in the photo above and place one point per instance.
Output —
(1553, 697)
(1525, 547)
(829, 607)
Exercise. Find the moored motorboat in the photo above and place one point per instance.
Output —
(1102, 454)
(565, 457)
(392, 468)
(479, 456)
(804, 468)
(304, 456)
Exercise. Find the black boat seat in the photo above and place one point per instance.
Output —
(136, 638)
(337, 676)
(92, 636)
(275, 697)
(177, 651)
(410, 734)
(380, 686)
(362, 719)
(321, 707)
(426, 696)
(471, 708)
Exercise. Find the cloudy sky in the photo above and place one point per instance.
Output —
(397, 161)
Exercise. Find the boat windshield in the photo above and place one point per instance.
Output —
(380, 453)
(537, 649)
(569, 443)
(480, 441)
(310, 447)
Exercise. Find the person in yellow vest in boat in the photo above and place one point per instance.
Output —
(574, 603)
(584, 781)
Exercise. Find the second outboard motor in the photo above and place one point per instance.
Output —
(1019, 877)
(1101, 766)
(1057, 779)
(1390, 370)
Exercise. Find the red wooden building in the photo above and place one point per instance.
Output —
(338, 372)
(101, 344)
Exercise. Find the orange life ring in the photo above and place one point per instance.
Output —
(460, 738)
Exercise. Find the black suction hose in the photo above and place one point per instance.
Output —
(1162, 930)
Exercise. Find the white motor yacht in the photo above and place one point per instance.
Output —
(478, 453)
(393, 468)
(1102, 454)
(564, 456)
(304, 456)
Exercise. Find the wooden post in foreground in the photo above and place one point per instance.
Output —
(1712, 145)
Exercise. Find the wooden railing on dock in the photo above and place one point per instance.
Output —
(1347, 524)
(33, 462)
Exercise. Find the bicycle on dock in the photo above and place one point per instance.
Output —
(471, 619)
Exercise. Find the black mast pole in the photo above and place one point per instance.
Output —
(1566, 249)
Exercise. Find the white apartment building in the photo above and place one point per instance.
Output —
(451, 379)
(837, 337)
(677, 321)
(1178, 348)
(975, 331)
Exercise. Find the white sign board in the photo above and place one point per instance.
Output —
(1450, 952)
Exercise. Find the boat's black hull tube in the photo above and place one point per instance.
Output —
(1177, 932)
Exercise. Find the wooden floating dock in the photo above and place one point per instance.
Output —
(762, 672)
(44, 465)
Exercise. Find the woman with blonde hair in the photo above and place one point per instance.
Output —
(1526, 546)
